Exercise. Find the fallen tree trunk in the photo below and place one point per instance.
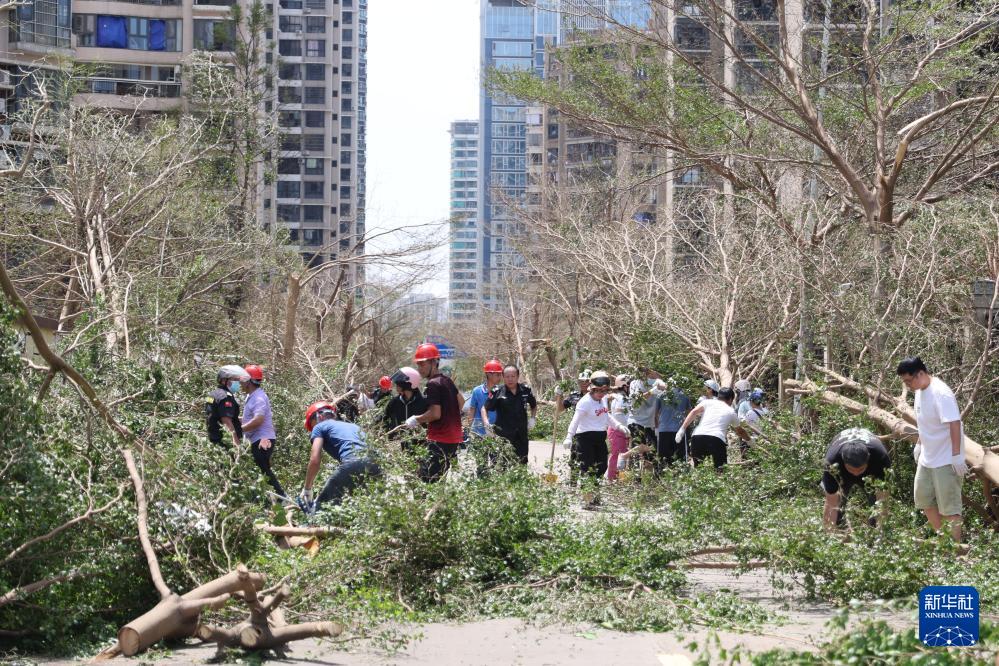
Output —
(984, 462)
(291, 531)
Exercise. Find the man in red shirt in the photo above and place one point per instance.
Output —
(442, 418)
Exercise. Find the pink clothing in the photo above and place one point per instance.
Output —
(618, 445)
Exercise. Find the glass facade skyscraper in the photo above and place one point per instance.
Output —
(515, 34)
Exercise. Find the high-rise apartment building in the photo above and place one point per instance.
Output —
(137, 49)
(318, 192)
(463, 292)
(515, 36)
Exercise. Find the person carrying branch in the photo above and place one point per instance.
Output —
(442, 418)
(258, 425)
(854, 455)
(709, 437)
(345, 443)
(940, 464)
(222, 408)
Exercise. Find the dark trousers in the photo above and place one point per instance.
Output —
(437, 461)
(668, 450)
(589, 453)
(520, 443)
(702, 446)
(844, 492)
(263, 459)
(347, 476)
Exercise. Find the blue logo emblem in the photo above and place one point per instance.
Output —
(948, 615)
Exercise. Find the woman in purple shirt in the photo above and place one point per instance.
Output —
(258, 426)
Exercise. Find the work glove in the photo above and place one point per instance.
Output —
(623, 429)
(531, 422)
(659, 386)
(411, 422)
(917, 450)
(679, 435)
(306, 495)
(960, 467)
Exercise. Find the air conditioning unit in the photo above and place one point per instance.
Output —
(306, 11)
(298, 33)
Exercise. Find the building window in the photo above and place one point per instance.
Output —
(289, 95)
(288, 189)
(41, 22)
(291, 142)
(345, 209)
(346, 105)
(312, 213)
(345, 140)
(315, 72)
(290, 23)
(214, 35)
(313, 166)
(126, 32)
(315, 24)
(347, 122)
(315, 4)
(315, 94)
(344, 175)
(347, 69)
(315, 48)
(289, 166)
(313, 237)
(346, 87)
(347, 53)
(312, 189)
(289, 213)
(348, 18)
(290, 119)
(345, 191)
(290, 47)
(345, 157)
(314, 142)
(347, 35)
(315, 119)
(289, 72)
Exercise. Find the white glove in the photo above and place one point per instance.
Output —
(567, 443)
(531, 422)
(960, 467)
(917, 450)
(679, 435)
(623, 429)
(306, 495)
(411, 422)
(660, 386)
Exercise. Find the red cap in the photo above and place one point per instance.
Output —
(426, 352)
(255, 371)
(385, 382)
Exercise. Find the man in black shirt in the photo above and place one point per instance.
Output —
(511, 401)
(583, 382)
(853, 455)
(222, 408)
(407, 402)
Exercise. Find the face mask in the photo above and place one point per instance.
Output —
(234, 387)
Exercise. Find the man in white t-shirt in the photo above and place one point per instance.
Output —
(709, 438)
(940, 466)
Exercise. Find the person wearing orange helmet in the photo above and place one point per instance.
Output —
(258, 424)
(442, 418)
(480, 394)
(345, 443)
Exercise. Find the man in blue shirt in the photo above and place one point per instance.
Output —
(673, 407)
(345, 442)
(480, 394)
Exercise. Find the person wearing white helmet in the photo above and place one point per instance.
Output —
(222, 408)
(587, 434)
(583, 385)
(407, 401)
(742, 389)
(711, 389)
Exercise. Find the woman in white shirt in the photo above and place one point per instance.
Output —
(709, 437)
(587, 435)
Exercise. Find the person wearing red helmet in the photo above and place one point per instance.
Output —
(442, 418)
(258, 424)
(480, 394)
(384, 390)
(345, 443)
